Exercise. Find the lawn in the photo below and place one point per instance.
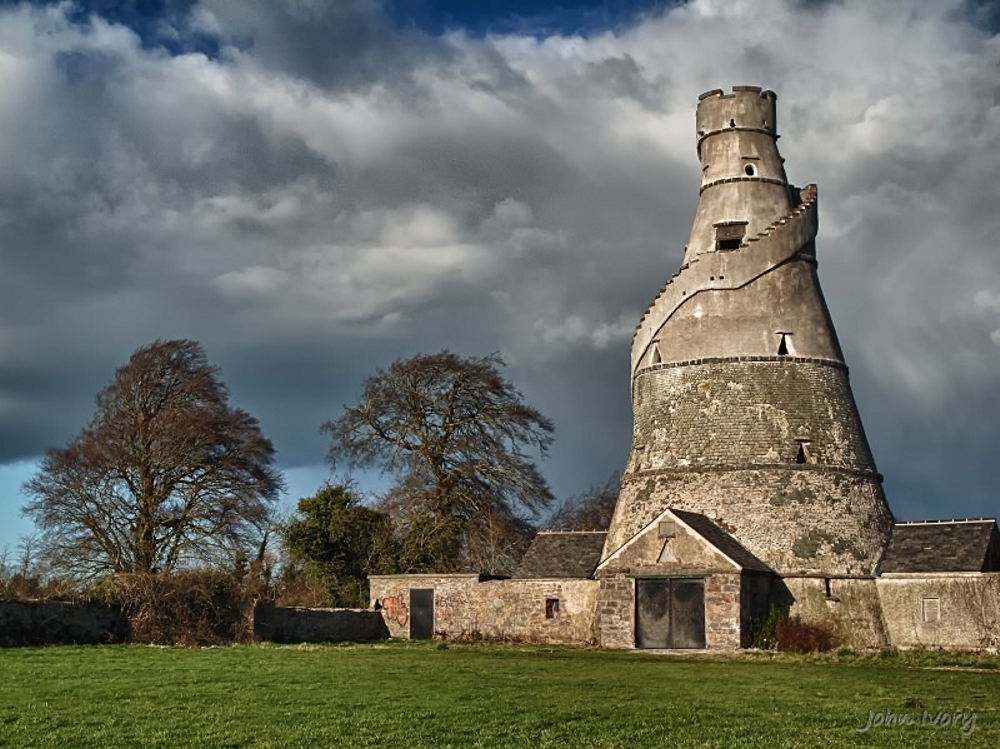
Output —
(416, 695)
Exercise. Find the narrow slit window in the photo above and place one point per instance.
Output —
(803, 455)
(783, 347)
(551, 608)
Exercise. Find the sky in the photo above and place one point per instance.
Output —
(314, 189)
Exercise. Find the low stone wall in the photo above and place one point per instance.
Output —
(523, 610)
(280, 624)
(954, 611)
(536, 610)
(56, 623)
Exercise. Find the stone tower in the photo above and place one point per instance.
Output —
(741, 401)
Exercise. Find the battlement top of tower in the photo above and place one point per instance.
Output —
(739, 90)
(747, 107)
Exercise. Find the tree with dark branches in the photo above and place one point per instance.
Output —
(455, 435)
(591, 510)
(166, 474)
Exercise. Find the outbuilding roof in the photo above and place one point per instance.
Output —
(971, 545)
(569, 554)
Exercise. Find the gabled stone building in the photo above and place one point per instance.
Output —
(750, 482)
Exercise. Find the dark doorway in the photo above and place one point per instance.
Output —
(421, 613)
(670, 613)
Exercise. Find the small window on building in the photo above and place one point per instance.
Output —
(551, 608)
(751, 170)
(729, 235)
(784, 344)
(930, 609)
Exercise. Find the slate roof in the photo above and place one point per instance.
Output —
(943, 546)
(721, 540)
(571, 554)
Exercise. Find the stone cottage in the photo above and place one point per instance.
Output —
(750, 481)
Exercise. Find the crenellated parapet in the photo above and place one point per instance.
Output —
(746, 108)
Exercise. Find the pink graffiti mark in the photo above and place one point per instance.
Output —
(394, 610)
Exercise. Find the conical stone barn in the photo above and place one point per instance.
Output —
(741, 399)
(750, 483)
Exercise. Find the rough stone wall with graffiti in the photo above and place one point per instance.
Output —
(466, 607)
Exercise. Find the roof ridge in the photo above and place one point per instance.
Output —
(945, 520)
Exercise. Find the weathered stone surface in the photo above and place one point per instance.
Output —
(466, 606)
(798, 521)
(742, 406)
(58, 623)
(946, 610)
(851, 611)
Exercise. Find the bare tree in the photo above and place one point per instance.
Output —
(455, 435)
(589, 511)
(165, 475)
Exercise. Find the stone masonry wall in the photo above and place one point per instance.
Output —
(967, 608)
(517, 609)
(452, 594)
(616, 612)
(722, 438)
(735, 412)
(722, 611)
(287, 624)
(500, 609)
(55, 623)
(797, 521)
(852, 611)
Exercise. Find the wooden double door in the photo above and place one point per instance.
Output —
(670, 613)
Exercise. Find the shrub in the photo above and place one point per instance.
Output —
(196, 607)
(763, 630)
(797, 636)
(20, 587)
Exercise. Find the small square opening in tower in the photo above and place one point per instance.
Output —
(729, 235)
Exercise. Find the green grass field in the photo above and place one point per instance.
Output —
(410, 695)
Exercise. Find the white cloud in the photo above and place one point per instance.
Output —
(329, 193)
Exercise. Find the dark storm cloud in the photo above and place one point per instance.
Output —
(348, 44)
(324, 191)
